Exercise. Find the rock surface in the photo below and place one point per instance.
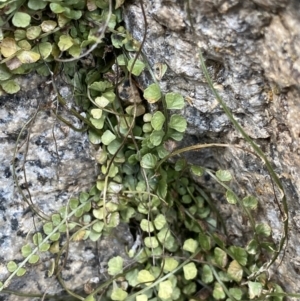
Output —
(252, 53)
(53, 163)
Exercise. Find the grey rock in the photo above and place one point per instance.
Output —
(252, 53)
(53, 163)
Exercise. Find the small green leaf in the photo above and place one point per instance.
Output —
(34, 259)
(231, 197)
(75, 50)
(112, 171)
(137, 68)
(73, 203)
(57, 8)
(48, 227)
(47, 25)
(218, 292)
(252, 247)
(131, 277)
(170, 264)
(162, 188)
(108, 137)
(147, 128)
(98, 226)
(263, 230)
(190, 271)
(157, 120)
(163, 234)
(118, 44)
(115, 265)
(21, 272)
(178, 123)
(207, 274)
(33, 32)
(255, 289)
(152, 94)
(11, 266)
(197, 170)
(100, 86)
(250, 202)
(8, 47)
(160, 221)
(224, 175)
(28, 57)
(94, 137)
(73, 14)
(113, 147)
(43, 70)
(220, 257)
(110, 95)
(98, 124)
(165, 290)
(145, 277)
(83, 197)
(148, 161)
(151, 242)
(180, 164)
(44, 247)
(175, 135)
(239, 254)
(10, 87)
(113, 220)
(156, 137)
(36, 4)
(55, 236)
(26, 250)
(63, 211)
(174, 101)
(24, 44)
(118, 294)
(37, 238)
(147, 226)
(147, 117)
(20, 34)
(44, 48)
(205, 242)
(236, 293)
(21, 19)
(190, 245)
(4, 73)
(235, 271)
(87, 207)
(94, 236)
(102, 101)
(56, 219)
(161, 151)
(65, 42)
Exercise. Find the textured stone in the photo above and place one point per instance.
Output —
(53, 163)
(252, 53)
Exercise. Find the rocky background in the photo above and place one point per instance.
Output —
(53, 163)
(252, 51)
